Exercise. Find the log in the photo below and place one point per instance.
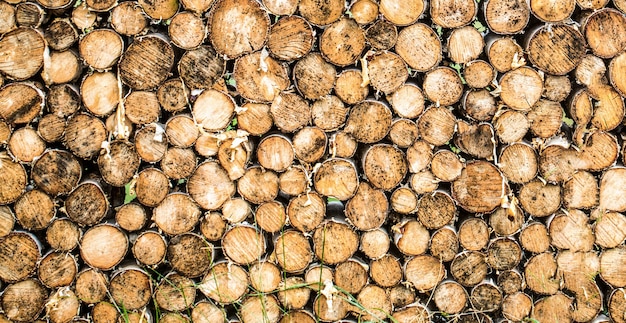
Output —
(103, 246)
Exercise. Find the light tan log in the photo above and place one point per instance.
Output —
(151, 143)
(91, 286)
(26, 145)
(259, 77)
(599, 25)
(504, 53)
(212, 226)
(146, 62)
(84, 135)
(207, 312)
(410, 313)
(178, 163)
(281, 8)
(424, 272)
(61, 67)
(119, 164)
(534, 238)
(334, 242)
(291, 294)
(210, 186)
(342, 42)
(552, 11)
(444, 244)
(376, 302)
(22, 53)
(329, 113)
(290, 111)
(556, 88)
(63, 234)
(243, 244)
(474, 234)
(103, 246)
(57, 269)
(270, 216)
(478, 73)
(309, 144)
(617, 305)
(131, 217)
(264, 276)
(337, 178)
(127, 18)
(506, 16)
(368, 209)
(403, 200)
(411, 237)
(20, 102)
(149, 248)
(436, 125)
(294, 181)
(516, 306)
(29, 14)
(369, 121)
(225, 283)
(450, 297)
(402, 14)
(553, 307)
(306, 211)
(374, 243)
(518, 162)
(258, 185)
(479, 188)
(232, 38)
(511, 282)
(131, 287)
(521, 88)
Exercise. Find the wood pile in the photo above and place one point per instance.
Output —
(312, 160)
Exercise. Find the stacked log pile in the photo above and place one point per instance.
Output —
(312, 160)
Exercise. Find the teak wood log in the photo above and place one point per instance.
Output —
(312, 161)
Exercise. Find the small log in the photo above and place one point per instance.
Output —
(7, 221)
(63, 234)
(15, 268)
(446, 165)
(386, 271)
(506, 17)
(175, 293)
(243, 244)
(387, 71)
(256, 118)
(290, 111)
(178, 163)
(212, 226)
(423, 182)
(181, 131)
(368, 208)
(598, 25)
(131, 287)
(381, 35)
(479, 188)
(342, 42)
(407, 101)
(281, 8)
(131, 217)
(24, 301)
(609, 229)
(127, 18)
(436, 210)
(424, 272)
(20, 102)
(232, 38)
(142, 107)
(518, 163)
(206, 312)
(376, 303)
(61, 67)
(118, 165)
(275, 152)
(554, 307)
(557, 163)
(403, 200)
(450, 297)
(294, 181)
(402, 14)
(62, 306)
(321, 13)
(611, 260)
(149, 248)
(236, 210)
(56, 172)
(545, 118)
(22, 53)
(334, 242)
(403, 132)
(503, 254)
(617, 305)
(617, 68)
(298, 316)
(349, 87)
(478, 73)
(521, 88)
(83, 18)
(550, 11)
(563, 41)
(7, 18)
(264, 276)
(369, 121)
(291, 296)
(258, 185)
(29, 14)
(309, 144)
(444, 244)
(436, 125)
(100, 93)
(190, 254)
(337, 178)
(504, 54)
(516, 306)
(474, 234)
(476, 140)
(34, 210)
(91, 286)
(306, 211)
(151, 187)
(146, 62)
(343, 145)
(177, 213)
(210, 186)
(384, 166)
(511, 282)
(534, 238)
(270, 216)
(329, 113)
(411, 313)
(225, 283)
(51, 128)
(411, 237)
(351, 276)
(599, 151)
(540, 272)
(57, 269)
(507, 221)
(186, 30)
(374, 243)
(419, 155)
(103, 246)
(313, 76)
(265, 307)
(465, 44)
(469, 268)
(84, 135)
(200, 68)
(539, 199)
(556, 88)
(259, 77)
(104, 312)
(87, 204)
(63, 100)
(151, 143)
(101, 48)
